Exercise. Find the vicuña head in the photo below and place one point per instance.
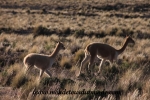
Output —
(41, 61)
(103, 52)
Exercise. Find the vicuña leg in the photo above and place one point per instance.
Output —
(86, 58)
(91, 62)
(48, 73)
(101, 64)
(41, 73)
(28, 68)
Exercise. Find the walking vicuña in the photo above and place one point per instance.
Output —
(103, 52)
(41, 61)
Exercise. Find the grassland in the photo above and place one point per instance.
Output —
(34, 26)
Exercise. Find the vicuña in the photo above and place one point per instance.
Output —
(41, 61)
(103, 52)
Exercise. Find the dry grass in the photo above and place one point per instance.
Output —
(76, 24)
(130, 76)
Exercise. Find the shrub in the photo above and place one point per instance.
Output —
(28, 88)
(124, 66)
(41, 30)
(99, 83)
(127, 32)
(111, 73)
(66, 82)
(79, 55)
(44, 11)
(79, 33)
(119, 32)
(2, 61)
(19, 80)
(28, 10)
(113, 31)
(100, 34)
(65, 62)
(48, 81)
(74, 49)
(66, 31)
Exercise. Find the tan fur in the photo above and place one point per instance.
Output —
(103, 52)
(41, 61)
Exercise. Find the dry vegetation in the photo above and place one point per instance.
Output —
(34, 25)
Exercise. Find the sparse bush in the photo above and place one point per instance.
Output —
(79, 55)
(42, 97)
(65, 62)
(2, 61)
(48, 47)
(41, 30)
(5, 42)
(127, 32)
(46, 81)
(111, 73)
(44, 11)
(66, 82)
(28, 88)
(99, 83)
(87, 97)
(113, 31)
(100, 34)
(79, 33)
(74, 49)
(28, 10)
(125, 65)
(6, 78)
(119, 32)
(66, 31)
(9, 73)
(19, 80)
(131, 80)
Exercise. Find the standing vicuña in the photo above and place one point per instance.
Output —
(41, 61)
(103, 52)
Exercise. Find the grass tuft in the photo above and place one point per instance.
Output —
(79, 55)
(41, 30)
(19, 80)
(66, 63)
(79, 33)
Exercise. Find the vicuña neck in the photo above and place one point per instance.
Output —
(55, 52)
(123, 47)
